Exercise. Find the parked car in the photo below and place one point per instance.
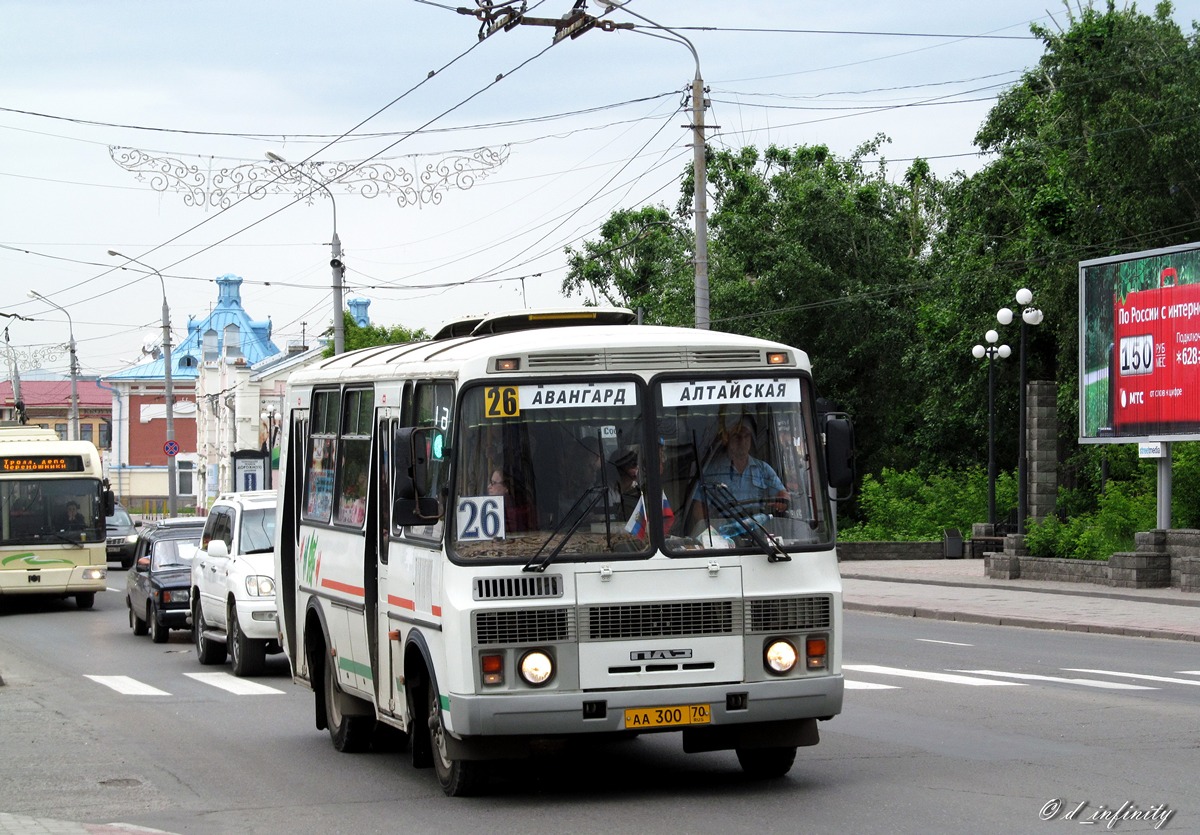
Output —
(158, 586)
(233, 583)
(122, 536)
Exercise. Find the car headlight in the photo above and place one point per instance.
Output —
(132, 538)
(260, 585)
(176, 596)
(780, 656)
(536, 667)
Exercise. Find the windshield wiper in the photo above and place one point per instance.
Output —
(74, 543)
(727, 505)
(578, 512)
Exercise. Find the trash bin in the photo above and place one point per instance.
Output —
(952, 544)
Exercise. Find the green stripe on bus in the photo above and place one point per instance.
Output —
(354, 667)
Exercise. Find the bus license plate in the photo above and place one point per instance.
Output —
(659, 717)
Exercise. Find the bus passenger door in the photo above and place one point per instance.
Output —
(389, 684)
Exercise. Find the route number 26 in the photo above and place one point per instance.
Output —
(501, 401)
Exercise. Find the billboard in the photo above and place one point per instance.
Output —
(1139, 346)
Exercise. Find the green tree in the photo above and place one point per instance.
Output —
(358, 336)
(641, 261)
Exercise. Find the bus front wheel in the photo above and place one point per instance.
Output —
(458, 778)
(85, 600)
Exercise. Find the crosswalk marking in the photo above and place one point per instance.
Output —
(237, 686)
(1083, 682)
(1166, 679)
(944, 677)
(128, 686)
(868, 685)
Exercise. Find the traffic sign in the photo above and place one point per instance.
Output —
(171, 448)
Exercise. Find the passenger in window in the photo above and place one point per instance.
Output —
(624, 492)
(518, 510)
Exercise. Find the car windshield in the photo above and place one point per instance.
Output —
(549, 471)
(119, 519)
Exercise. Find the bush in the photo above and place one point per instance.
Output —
(908, 506)
(1124, 510)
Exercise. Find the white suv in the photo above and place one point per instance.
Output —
(233, 583)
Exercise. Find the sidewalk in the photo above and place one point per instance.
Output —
(958, 590)
(23, 825)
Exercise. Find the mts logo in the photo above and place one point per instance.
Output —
(1137, 397)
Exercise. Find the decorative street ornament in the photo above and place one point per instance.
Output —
(215, 186)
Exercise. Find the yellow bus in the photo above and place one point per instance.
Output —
(560, 525)
(53, 502)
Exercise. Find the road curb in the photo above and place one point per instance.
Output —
(1008, 620)
(1084, 591)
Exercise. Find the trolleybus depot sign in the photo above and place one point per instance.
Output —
(1139, 319)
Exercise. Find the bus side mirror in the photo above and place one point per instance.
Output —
(413, 449)
(110, 503)
(839, 452)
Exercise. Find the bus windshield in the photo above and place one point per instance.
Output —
(538, 470)
(36, 509)
(571, 470)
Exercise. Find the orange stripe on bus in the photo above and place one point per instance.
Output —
(436, 610)
(357, 591)
(402, 602)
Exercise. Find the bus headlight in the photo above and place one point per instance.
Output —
(95, 573)
(536, 668)
(260, 585)
(780, 656)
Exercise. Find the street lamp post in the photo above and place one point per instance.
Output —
(991, 351)
(268, 417)
(699, 167)
(335, 261)
(73, 418)
(169, 391)
(1030, 315)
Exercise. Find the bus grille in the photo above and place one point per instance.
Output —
(656, 620)
(789, 614)
(523, 626)
(518, 588)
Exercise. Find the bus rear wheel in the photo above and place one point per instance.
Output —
(458, 778)
(765, 763)
(350, 734)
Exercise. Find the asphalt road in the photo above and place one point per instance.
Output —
(947, 727)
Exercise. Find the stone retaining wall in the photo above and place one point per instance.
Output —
(889, 551)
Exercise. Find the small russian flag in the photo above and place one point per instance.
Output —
(637, 520)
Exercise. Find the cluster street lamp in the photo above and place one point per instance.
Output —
(74, 415)
(335, 260)
(1030, 315)
(699, 165)
(168, 390)
(992, 351)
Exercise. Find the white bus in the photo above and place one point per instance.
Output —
(53, 503)
(530, 528)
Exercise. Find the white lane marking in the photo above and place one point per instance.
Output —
(128, 686)
(949, 679)
(237, 686)
(1189, 672)
(1084, 682)
(868, 685)
(947, 643)
(1134, 675)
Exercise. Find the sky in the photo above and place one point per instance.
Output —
(144, 128)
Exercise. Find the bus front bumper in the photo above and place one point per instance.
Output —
(66, 580)
(551, 714)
